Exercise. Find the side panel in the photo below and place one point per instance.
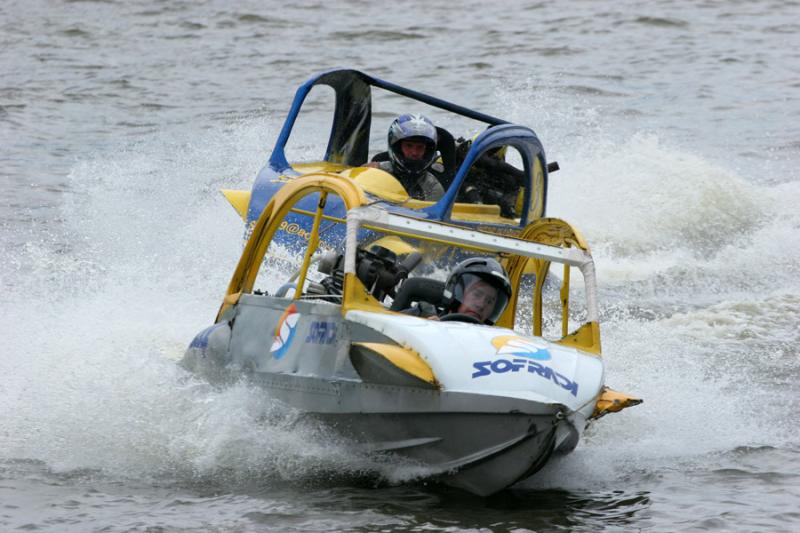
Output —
(483, 359)
(290, 336)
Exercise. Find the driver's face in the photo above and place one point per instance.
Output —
(479, 300)
(412, 150)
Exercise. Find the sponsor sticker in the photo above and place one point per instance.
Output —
(285, 332)
(322, 332)
(518, 354)
(293, 228)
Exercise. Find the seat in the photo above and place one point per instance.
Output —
(418, 290)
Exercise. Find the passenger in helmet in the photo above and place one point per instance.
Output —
(477, 290)
(412, 150)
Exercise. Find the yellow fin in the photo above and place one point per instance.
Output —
(406, 360)
(240, 200)
(376, 181)
(611, 401)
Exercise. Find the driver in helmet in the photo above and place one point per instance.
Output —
(477, 290)
(412, 150)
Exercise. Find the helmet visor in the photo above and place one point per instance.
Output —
(480, 296)
(414, 154)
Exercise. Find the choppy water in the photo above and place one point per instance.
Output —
(677, 126)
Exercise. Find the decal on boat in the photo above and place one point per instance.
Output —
(285, 332)
(520, 354)
(293, 228)
(322, 332)
(514, 345)
(201, 340)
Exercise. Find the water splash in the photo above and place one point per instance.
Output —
(106, 302)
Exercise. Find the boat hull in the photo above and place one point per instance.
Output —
(475, 442)
(476, 407)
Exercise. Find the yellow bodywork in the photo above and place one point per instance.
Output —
(240, 200)
(407, 360)
(357, 297)
(611, 401)
(381, 184)
(553, 232)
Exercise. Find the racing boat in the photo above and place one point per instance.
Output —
(495, 181)
(322, 329)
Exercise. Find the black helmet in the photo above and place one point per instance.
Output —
(475, 269)
(415, 128)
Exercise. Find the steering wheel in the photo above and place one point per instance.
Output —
(460, 317)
